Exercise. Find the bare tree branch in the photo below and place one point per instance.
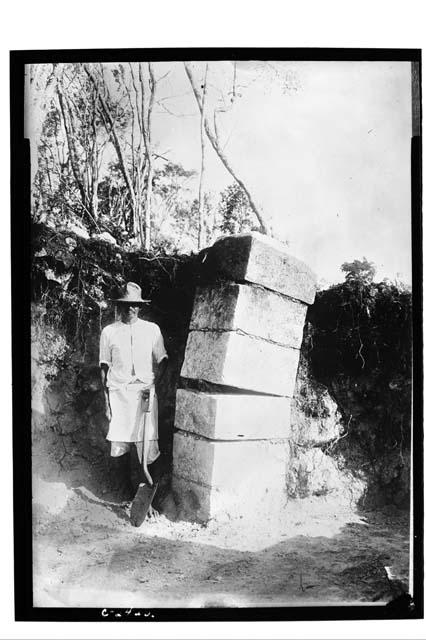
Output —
(116, 141)
(163, 76)
(214, 140)
(172, 113)
(71, 147)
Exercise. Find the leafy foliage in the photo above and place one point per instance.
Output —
(235, 211)
(99, 169)
(358, 340)
(359, 270)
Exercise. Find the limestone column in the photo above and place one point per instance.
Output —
(230, 446)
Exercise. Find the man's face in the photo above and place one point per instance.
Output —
(128, 312)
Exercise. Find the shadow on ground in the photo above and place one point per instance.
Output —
(87, 554)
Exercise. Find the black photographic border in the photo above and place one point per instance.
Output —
(406, 607)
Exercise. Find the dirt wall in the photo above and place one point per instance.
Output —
(357, 353)
(72, 281)
(345, 438)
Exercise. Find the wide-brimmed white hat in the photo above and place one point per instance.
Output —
(133, 294)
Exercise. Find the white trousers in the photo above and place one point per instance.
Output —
(120, 448)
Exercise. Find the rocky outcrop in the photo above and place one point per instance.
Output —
(317, 426)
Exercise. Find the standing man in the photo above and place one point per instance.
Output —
(133, 359)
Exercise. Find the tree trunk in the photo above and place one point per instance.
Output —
(140, 162)
(214, 141)
(202, 234)
(72, 150)
(146, 132)
(116, 142)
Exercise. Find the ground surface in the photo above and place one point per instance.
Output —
(86, 553)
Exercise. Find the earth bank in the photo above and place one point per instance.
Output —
(350, 442)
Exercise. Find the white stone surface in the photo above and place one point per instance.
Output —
(53, 496)
(255, 258)
(229, 505)
(228, 480)
(105, 236)
(241, 361)
(232, 417)
(251, 309)
(221, 464)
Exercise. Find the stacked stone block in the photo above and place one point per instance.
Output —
(231, 448)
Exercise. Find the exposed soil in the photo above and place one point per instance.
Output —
(86, 553)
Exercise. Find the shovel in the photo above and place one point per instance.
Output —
(146, 491)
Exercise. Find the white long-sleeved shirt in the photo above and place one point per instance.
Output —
(130, 351)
